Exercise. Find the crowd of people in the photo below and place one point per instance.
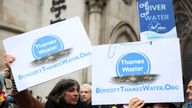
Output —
(67, 93)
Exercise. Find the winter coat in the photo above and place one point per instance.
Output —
(24, 99)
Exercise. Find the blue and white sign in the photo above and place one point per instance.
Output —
(47, 45)
(49, 52)
(150, 70)
(134, 63)
(156, 18)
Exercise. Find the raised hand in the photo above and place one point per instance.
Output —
(136, 103)
(8, 59)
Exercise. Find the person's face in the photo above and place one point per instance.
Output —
(161, 105)
(85, 93)
(189, 90)
(71, 95)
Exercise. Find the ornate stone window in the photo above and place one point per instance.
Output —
(123, 32)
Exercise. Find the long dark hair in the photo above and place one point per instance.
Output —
(57, 93)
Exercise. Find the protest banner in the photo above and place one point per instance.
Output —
(149, 70)
(48, 52)
(156, 19)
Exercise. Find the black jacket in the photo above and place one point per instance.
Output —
(50, 104)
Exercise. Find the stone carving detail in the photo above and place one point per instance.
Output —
(183, 17)
(128, 2)
(96, 5)
(57, 7)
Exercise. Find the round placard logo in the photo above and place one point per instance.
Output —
(134, 63)
(46, 45)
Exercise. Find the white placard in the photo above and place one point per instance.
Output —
(48, 52)
(148, 70)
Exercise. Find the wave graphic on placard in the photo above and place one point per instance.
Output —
(153, 35)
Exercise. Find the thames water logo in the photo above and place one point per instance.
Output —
(46, 46)
(133, 67)
(133, 64)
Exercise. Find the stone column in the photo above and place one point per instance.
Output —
(95, 9)
(95, 19)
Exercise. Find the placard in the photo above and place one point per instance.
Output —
(156, 18)
(149, 70)
(48, 52)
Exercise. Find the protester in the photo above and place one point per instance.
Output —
(2, 94)
(6, 101)
(188, 104)
(85, 93)
(65, 94)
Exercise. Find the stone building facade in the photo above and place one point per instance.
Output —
(106, 21)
